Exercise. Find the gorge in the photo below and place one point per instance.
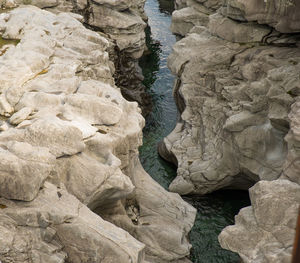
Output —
(76, 76)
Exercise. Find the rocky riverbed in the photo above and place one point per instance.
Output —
(72, 187)
(237, 91)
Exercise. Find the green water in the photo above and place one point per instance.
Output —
(215, 211)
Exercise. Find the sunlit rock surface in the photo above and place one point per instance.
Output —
(69, 147)
(123, 24)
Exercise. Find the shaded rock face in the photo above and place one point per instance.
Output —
(123, 23)
(237, 91)
(69, 146)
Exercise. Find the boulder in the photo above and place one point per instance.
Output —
(264, 232)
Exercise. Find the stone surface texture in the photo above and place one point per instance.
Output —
(237, 91)
(282, 15)
(122, 23)
(71, 185)
(265, 231)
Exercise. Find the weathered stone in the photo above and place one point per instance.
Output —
(23, 170)
(20, 116)
(238, 94)
(75, 130)
(234, 112)
(185, 19)
(282, 15)
(56, 226)
(191, 13)
(233, 31)
(291, 167)
(265, 231)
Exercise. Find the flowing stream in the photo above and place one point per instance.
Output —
(215, 211)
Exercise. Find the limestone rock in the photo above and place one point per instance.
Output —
(185, 19)
(233, 31)
(7, 4)
(265, 231)
(291, 167)
(282, 15)
(179, 4)
(20, 116)
(93, 181)
(234, 102)
(123, 23)
(177, 216)
(191, 13)
(24, 169)
(54, 227)
(237, 91)
(70, 142)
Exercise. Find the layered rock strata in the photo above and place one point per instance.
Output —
(123, 23)
(237, 91)
(69, 147)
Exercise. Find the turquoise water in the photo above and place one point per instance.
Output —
(215, 211)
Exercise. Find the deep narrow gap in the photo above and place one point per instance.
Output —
(215, 211)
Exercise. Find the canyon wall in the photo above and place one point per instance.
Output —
(123, 24)
(71, 185)
(237, 91)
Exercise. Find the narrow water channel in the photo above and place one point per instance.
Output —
(215, 211)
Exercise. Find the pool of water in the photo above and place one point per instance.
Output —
(215, 211)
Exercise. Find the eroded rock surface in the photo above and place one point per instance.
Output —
(237, 90)
(282, 15)
(265, 231)
(123, 24)
(236, 84)
(69, 145)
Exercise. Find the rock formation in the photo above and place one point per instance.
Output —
(71, 186)
(236, 84)
(123, 23)
(237, 91)
(265, 231)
